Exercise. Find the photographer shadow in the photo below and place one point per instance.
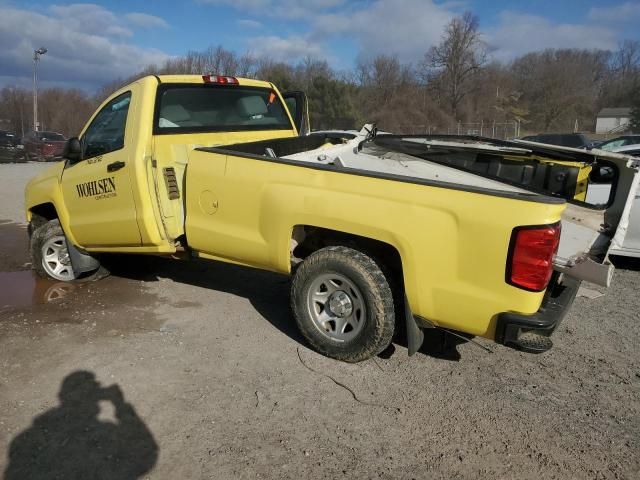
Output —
(71, 442)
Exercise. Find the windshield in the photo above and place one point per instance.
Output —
(618, 142)
(216, 108)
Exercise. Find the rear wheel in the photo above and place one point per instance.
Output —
(50, 255)
(343, 304)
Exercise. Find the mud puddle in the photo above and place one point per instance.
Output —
(14, 240)
(25, 288)
(113, 306)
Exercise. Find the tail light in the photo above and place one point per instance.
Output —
(530, 260)
(219, 79)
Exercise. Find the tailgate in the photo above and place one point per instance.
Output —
(588, 235)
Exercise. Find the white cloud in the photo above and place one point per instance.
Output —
(145, 20)
(89, 43)
(246, 5)
(285, 49)
(90, 18)
(403, 27)
(279, 8)
(246, 23)
(517, 34)
(407, 28)
(622, 13)
(90, 50)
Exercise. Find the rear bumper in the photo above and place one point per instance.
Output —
(556, 303)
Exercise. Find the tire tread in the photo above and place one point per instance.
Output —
(380, 292)
(40, 235)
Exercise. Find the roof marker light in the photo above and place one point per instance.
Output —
(220, 79)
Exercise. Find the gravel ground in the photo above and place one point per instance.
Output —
(202, 375)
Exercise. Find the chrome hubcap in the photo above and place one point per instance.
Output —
(336, 307)
(55, 259)
(340, 304)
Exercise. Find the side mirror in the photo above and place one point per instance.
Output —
(298, 107)
(73, 150)
(602, 174)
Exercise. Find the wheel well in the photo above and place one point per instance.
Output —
(306, 239)
(41, 214)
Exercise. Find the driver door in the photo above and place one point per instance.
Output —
(97, 189)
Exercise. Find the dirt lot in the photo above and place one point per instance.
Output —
(202, 375)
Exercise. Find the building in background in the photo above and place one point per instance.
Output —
(613, 120)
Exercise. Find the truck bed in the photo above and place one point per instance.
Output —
(352, 155)
(505, 169)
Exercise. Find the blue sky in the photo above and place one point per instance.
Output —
(92, 43)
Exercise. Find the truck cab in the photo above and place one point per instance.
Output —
(119, 180)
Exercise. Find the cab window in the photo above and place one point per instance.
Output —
(106, 132)
(220, 108)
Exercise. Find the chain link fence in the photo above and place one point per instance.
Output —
(501, 130)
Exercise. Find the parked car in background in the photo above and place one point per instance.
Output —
(43, 146)
(9, 147)
(7, 139)
(622, 141)
(633, 150)
(575, 140)
(595, 144)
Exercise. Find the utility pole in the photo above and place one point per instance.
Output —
(36, 56)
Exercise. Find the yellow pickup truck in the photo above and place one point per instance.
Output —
(459, 233)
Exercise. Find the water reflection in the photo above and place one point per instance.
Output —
(19, 289)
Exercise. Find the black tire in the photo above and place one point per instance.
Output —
(39, 237)
(379, 321)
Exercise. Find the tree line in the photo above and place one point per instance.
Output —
(455, 83)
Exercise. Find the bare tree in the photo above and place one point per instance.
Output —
(60, 109)
(15, 109)
(65, 110)
(626, 60)
(389, 94)
(453, 63)
(560, 87)
(635, 110)
(622, 76)
(546, 90)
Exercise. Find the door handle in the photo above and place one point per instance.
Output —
(112, 167)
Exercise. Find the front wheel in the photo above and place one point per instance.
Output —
(50, 255)
(343, 304)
